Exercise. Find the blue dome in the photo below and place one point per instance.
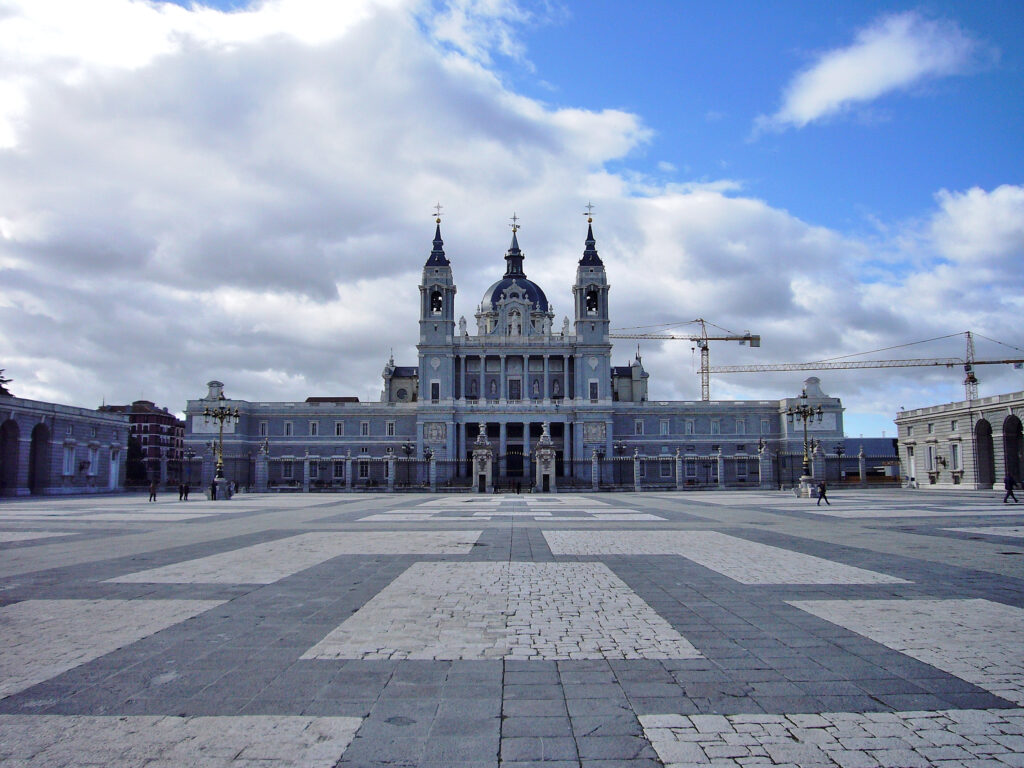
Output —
(526, 288)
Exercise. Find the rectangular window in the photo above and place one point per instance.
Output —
(263, 429)
(69, 459)
(716, 427)
(287, 471)
(689, 427)
(287, 429)
(435, 391)
(931, 428)
(92, 432)
(954, 456)
(666, 467)
(953, 425)
(691, 469)
(364, 429)
(593, 391)
(70, 430)
(364, 470)
(638, 426)
(390, 430)
(314, 428)
(741, 469)
(930, 458)
(94, 461)
(515, 389)
(910, 430)
(339, 429)
(314, 470)
(339, 470)
(664, 426)
(741, 427)
(766, 426)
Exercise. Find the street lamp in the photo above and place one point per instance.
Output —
(805, 413)
(620, 448)
(189, 455)
(600, 463)
(221, 414)
(408, 449)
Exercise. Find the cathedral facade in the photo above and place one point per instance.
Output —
(513, 377)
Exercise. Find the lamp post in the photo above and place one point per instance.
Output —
(407, 449)
(805, 413)
(840, 450)
(620, 448)
(189, 455)
(600, 463)
(222, 414)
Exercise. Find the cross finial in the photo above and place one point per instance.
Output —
(515, 222)
(589, 213)
(437, 212)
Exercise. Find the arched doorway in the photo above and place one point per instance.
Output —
(1013, 445)
(9, 434)
(986, 457)
(39, 459)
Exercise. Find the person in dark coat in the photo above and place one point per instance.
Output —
(186, 487)
(152, 491)
(822, 490)
(1008, 483)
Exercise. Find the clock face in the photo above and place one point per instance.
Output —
(402, 394)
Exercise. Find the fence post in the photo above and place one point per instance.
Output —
(818, 463)
(433, 474)
(305, 472)
(764, 467)
(679, 470)
(594, 470)
(262, 471)
(348, 470)
(862, 466)
(721, 470)
(636, 469)
(391, 473)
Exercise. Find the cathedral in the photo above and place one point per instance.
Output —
(509, 381)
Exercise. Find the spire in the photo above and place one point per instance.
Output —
(514, 257)
(590, 257)
(437, 257)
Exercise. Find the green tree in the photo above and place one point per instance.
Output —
(3, 384)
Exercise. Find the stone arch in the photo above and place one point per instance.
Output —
(9, 455)
(39, 459)
(986, 456)
(1013, 446)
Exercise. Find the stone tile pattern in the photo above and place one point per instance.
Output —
(505, 610)
(744, 561)
(266, 563)
(979, 641)
(173, 742)
(6, 536)
(950, 738)
(1007, 531)
(43, 638)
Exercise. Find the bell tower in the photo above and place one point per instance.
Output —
(593, 347)
(437, 323)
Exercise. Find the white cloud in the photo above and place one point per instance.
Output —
(246, 197)
(895, 53)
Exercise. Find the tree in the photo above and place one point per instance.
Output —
(3, 384)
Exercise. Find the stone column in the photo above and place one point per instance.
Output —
(348, 470)
(432, 469)
(482, 458)
(391, 472)
(163, 468)
(305, 473)
(636, 469)
(595, 469)
(679, 470)
(503, 382)
(818, 464)
(545, 458)
(546, 390)
(462, 377)
(721, 470)
(764, 467)
(262, 471)
(862, 466)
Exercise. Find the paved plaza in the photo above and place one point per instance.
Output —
(600, 630)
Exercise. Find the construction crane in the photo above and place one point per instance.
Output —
(968, 362)
(701, 341)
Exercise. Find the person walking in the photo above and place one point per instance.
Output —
(1008, 483)
(822, 491)
(152, 490)
(181, 491)
(186, 487)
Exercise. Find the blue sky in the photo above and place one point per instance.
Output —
(837, 177)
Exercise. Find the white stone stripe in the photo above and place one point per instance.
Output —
(745, 561)
(43, 638)
(157, 741)
(6, 536)
(952, 737)
(505, 610)
(979, 641)
(273, 560)
(1006, 531)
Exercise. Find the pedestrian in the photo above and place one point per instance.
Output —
(1008, 483)
(181, 491)
(822, 491)
(152, 490)
(186, 491)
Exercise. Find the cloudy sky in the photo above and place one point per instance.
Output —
(244, 190)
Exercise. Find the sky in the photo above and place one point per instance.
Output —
(244, 191)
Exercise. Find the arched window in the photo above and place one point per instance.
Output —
(592, 300)
(436, 302)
